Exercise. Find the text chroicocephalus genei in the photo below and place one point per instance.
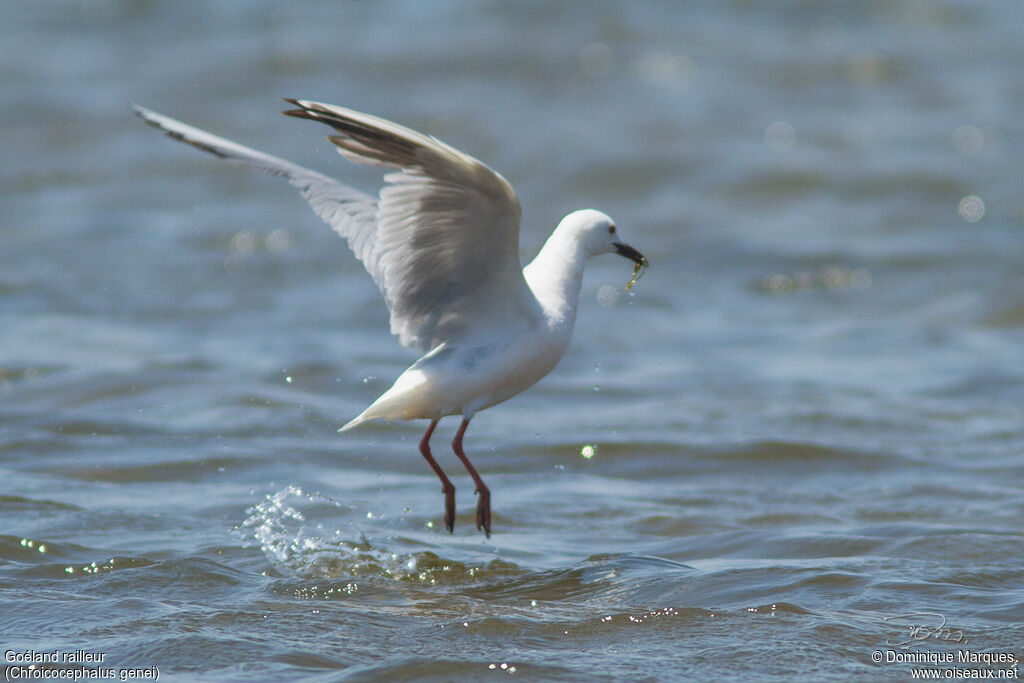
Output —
(442, 243)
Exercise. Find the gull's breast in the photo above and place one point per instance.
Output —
(474, 375)
(470, 375)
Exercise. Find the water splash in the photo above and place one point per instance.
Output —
(280, 527)
(286, 525)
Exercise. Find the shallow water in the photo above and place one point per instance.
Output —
(801, 426)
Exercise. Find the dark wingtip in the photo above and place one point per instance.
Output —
(141, 112)
(300, 113)
(146, 117)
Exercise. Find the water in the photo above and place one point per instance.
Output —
(804, 424)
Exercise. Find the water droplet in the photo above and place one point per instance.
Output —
(779, 136)
(972, 208)
(279, 240)
(243, 242)
(607, 296)
(778, 283)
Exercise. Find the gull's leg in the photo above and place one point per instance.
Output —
(446, 485)
(483, 503)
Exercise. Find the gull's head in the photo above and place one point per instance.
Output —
(597, 233)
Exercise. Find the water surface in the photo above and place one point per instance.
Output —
(803, 424)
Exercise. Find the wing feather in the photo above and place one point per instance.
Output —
(351, 212)
(442, 239)
(447, 228)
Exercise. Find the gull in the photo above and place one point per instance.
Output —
(441, 241)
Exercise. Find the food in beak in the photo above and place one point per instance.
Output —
(640, 262)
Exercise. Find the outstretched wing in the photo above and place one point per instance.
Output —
(351, 212)
(442, 239)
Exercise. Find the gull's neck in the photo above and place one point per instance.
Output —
(555, 276)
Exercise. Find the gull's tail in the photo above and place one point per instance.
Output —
(352, 424)
(409, 398)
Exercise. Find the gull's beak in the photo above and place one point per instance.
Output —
(630, 253)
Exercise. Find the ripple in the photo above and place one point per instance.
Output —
(18, 549)
(776, 185)
(802, 453)
(21, 373)
(36, 558)
(79, 570)
(1009, 316)
(168, 471)
(18, 503)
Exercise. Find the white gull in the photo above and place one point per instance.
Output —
(442, 243)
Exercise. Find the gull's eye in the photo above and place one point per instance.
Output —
(611, 229)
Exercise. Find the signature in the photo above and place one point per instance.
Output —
(919, 627)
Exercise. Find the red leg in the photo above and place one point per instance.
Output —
(483, 503)
(446, 485)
